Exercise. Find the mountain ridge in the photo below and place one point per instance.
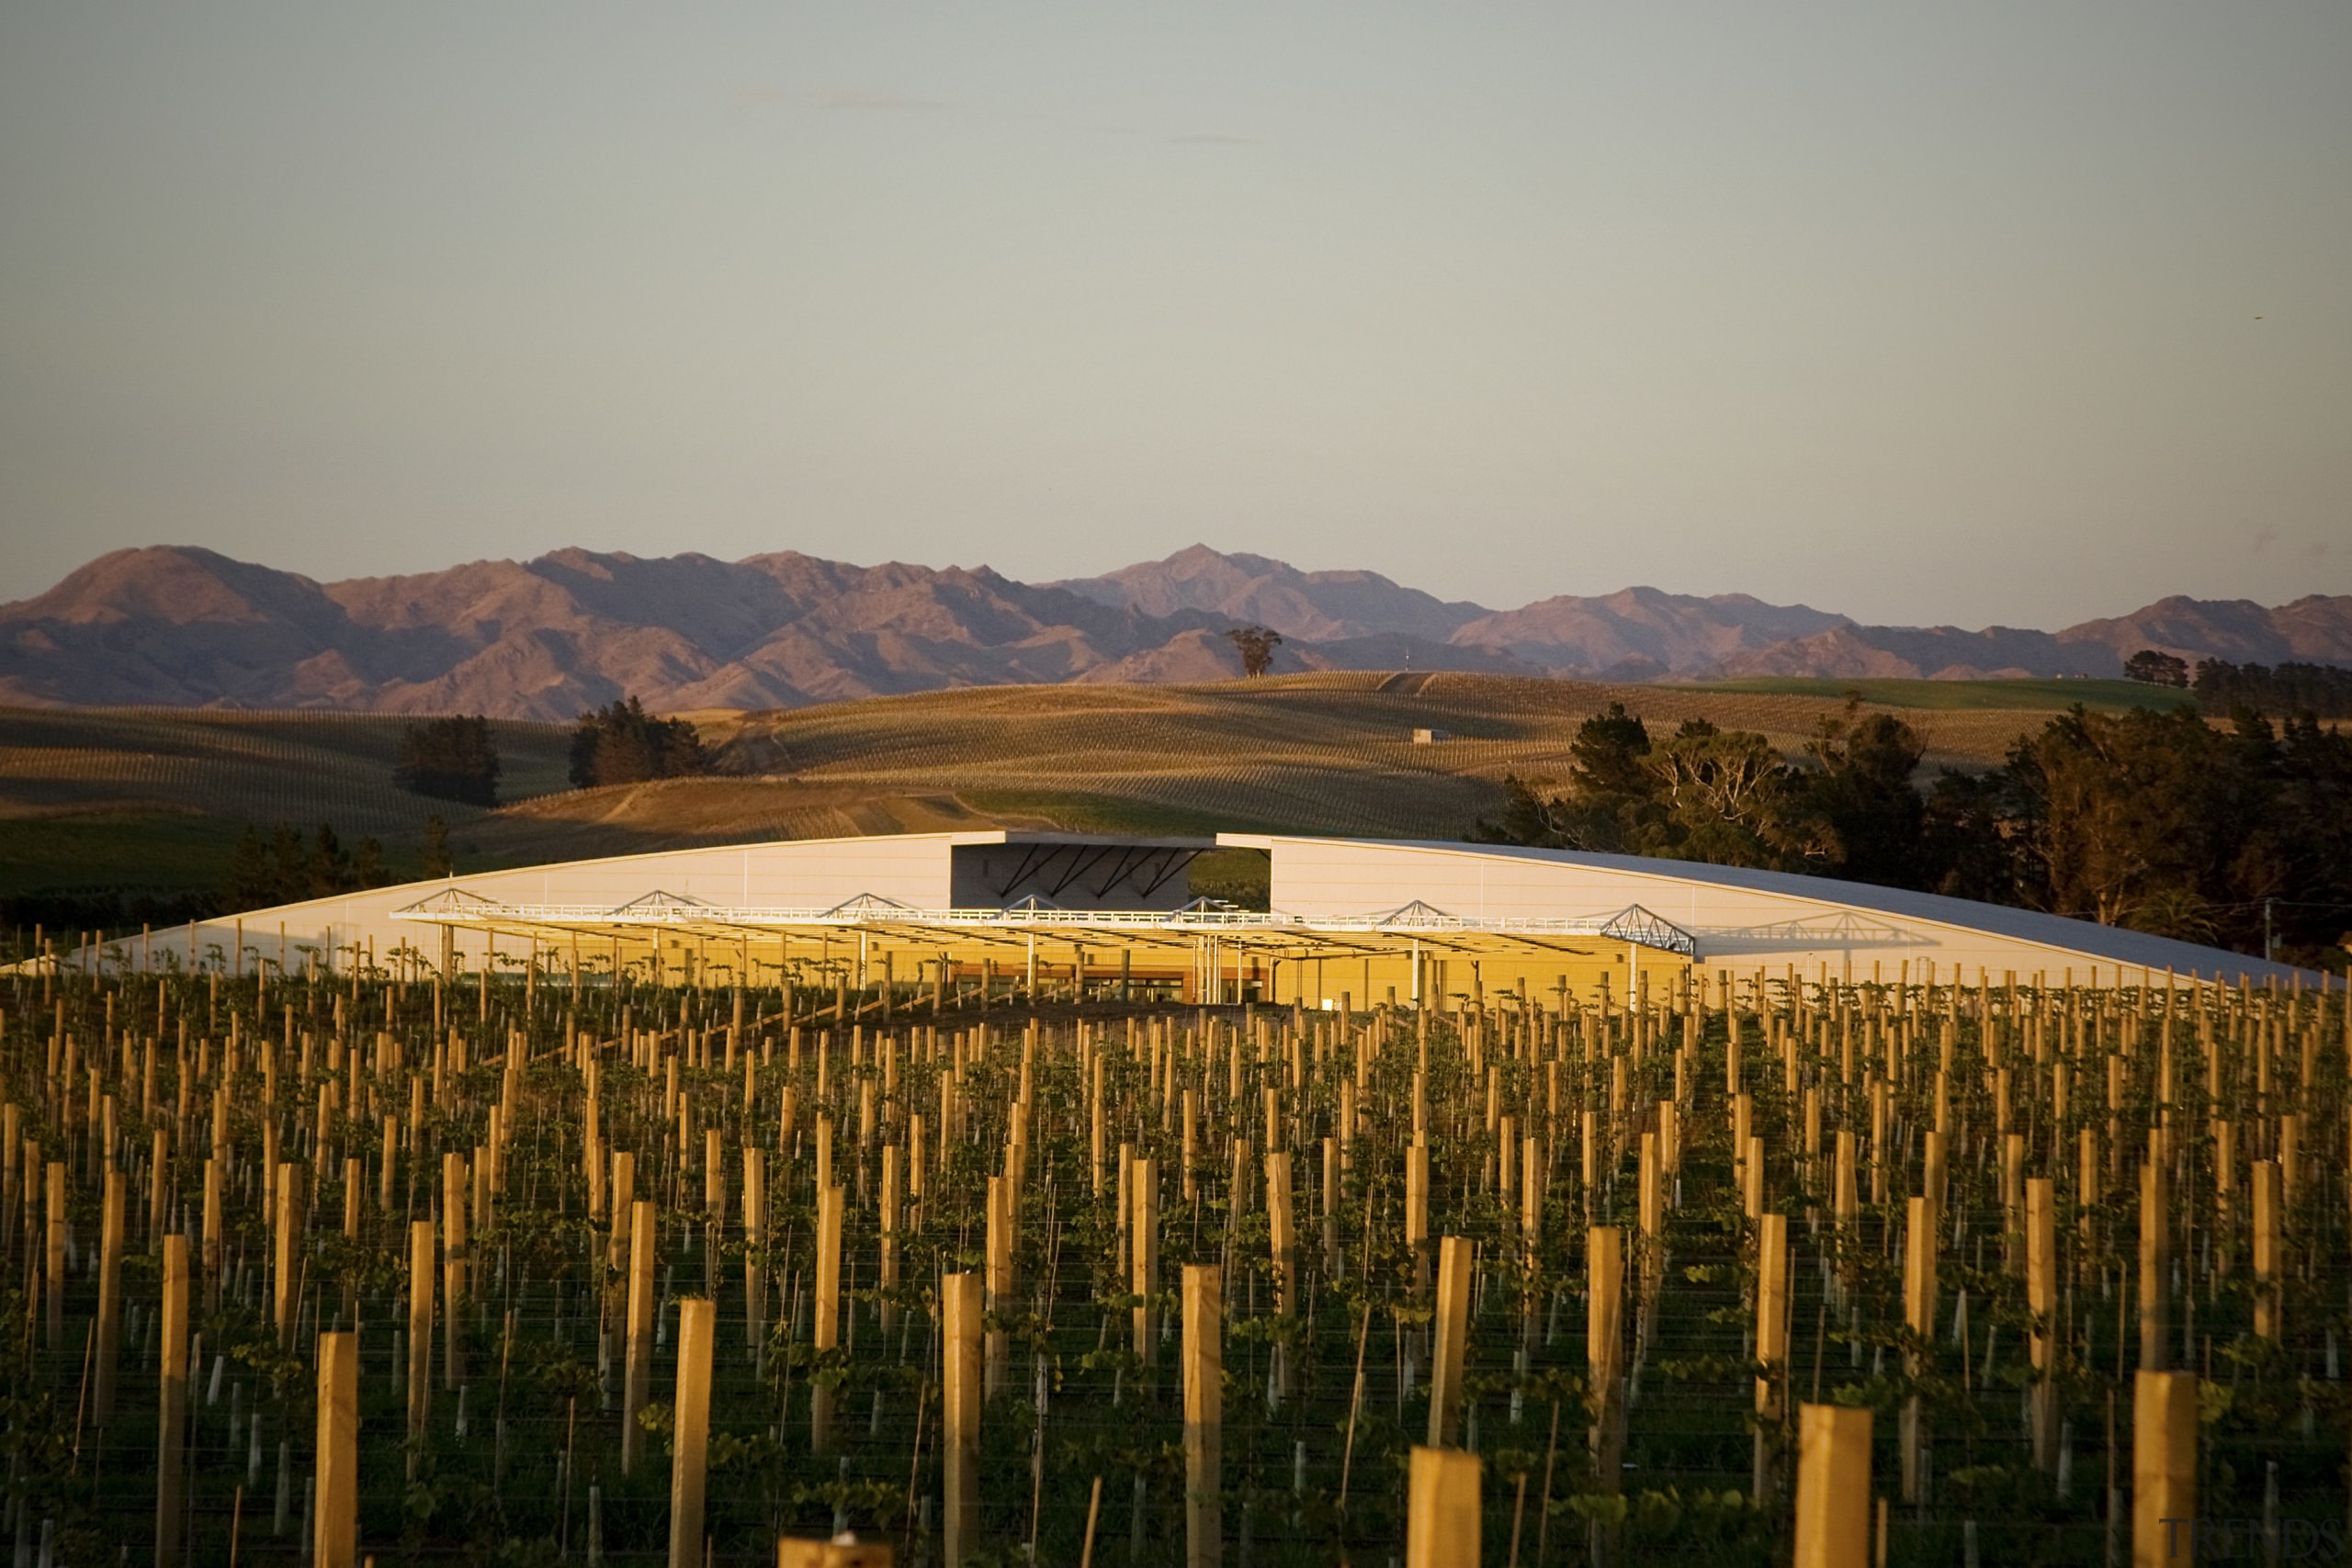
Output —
(186, 626)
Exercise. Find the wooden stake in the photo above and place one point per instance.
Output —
(1920, 1317)
(829, 1312)
(1442, 1510)
(109, 1297)
(53, 1273)
(961, 1311)
(2266, 1249)
(755, 1238)
(420, 1325)
(2041, 1299)
(2163, 1468)
(1204, 1414)
(285, 1272)
(2155, 1259)
(637, 1381)
(1453, 1330)
(1000, 1281)
(1604, 1349)
(171, 1417)
(1143, 1176)
(336, 1524)
(1833, 1525)
(690, 1431)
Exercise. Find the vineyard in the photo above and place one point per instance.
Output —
(541, 1267)
(155, 798)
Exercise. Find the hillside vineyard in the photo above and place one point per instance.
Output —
(313, 1266)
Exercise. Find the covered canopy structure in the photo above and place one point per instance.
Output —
(1074, 915)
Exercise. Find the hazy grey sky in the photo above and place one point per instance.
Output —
(1962, 312)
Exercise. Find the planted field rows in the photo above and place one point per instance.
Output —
(561, 1264)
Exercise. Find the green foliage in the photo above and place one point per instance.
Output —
(1723, 797)
(450, 759)
(2149, 817)
(2323, 691)
(2157, 669)
(1256, 645)
(621, 743)
(286, 867)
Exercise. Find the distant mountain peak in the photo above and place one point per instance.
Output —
(182, 626)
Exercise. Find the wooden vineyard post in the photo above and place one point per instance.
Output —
(454, 1187)
(336, 1523)
(420, 1326)
(2163, 1468)
(2042, 1300)
(2266, 1249)
(54, 1271)
(284, 1282)
(2155, 1259)
(1833, 1525)
(1442, 1510)
(1331, 1168)
(1204, 1412)
(1771, 1345)
(171, 1419)
(1453, 1329)
(1605, 1358)
(1284, 1244)
(109, 1349)
(999, 1282)
(755, 1240)
(1417, 1211)
(1920, 1317)
(960, 1313)
(636, 1378)
(690, 1431)
(828, 1327)
(212, 1233)
(1144, 1255)
(888, 1222)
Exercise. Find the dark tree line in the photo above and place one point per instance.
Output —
(2321, 690)
(287, 867)
(621, 743)
(450, 759)
(2234, 834)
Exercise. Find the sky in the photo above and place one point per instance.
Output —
(1956, 314)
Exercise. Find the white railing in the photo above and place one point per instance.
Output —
(1632, 923)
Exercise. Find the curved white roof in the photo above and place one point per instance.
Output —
(1723, 916)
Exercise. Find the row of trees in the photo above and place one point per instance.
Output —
(2321, 690)
(621, 743)
(287, 866)
(457, 758)
(2238, 834)
(450, 759)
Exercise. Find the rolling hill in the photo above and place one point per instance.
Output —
(545, 638)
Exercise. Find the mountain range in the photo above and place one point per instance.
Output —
(176, 625)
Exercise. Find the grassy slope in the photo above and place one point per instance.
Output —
(2032, 696)
(155, 798)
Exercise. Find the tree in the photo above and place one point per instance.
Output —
(450, 759)
(2324, 691)
(1607, 753)
(621, 743)
(2157, 669)
(1256, 644)
(436, 847)
(286, 868)
(1862, 800)
(2152, 819)
(1703, 794)
(1728, 797)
